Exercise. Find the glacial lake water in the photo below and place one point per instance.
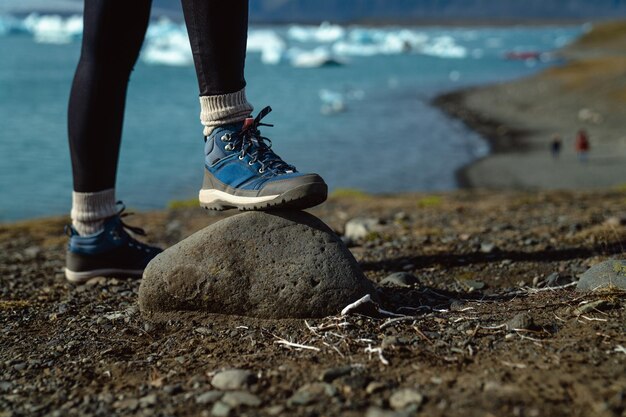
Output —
(365, 124)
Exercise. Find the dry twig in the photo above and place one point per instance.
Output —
(397, 320)
(379, 351)
(296, 345)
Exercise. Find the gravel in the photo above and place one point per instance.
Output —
(60, 355)
(233, 379)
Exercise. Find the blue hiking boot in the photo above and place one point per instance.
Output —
(242, 171)
(111, 252)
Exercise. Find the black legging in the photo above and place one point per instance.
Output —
(113, 33)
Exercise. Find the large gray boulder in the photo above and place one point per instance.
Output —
(611, 273)
(260, 264)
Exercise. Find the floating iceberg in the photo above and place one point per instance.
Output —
(167, 43)
(271, 46)
(153, 55)
(336, 101)
(171, 48)
(344, 48)
(444, 47)
(332, 102)
(369, 42)
(318, 57)
(54, 28)
(405, 41)
(163, 27)
(324, 33)
(301, 46)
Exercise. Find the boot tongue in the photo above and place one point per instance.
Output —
(247, 123)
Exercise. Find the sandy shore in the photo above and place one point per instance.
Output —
(519, 118)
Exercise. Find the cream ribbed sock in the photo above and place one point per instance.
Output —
(223, 109)
(89, 210)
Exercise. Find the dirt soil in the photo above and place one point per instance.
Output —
(481, 259)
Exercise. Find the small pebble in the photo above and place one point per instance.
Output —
(375, 386)
(311, 393)
(275, 410)
(32, 251)
(239, 398)
(487, 247)
(220, 409)
(202, 330)
(474, 284)
(361, 227)
(607, 274)
(589, 307)
(400, 279)
(148, 400)
(552, 279)
(233, 379)
(404, 397)
(401, 216)
(172, 389)
(379, 412)
(522, 321)
(615, 221)
(329, 375)
(208, 397)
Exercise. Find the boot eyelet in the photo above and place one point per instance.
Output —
(240, 158)
(261, 170)
(250, 163)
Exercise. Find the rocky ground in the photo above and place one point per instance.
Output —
(491, 324)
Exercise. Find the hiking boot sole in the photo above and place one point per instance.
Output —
(298, 198)
(78, 277)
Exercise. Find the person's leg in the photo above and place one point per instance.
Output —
(241, 171)
(218, 32)
(112, 38)
(99, 243)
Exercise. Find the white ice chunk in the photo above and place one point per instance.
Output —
(53, 28)
(74, 25)
(169, 48)
(271, 46)
(445, 47)
(369, 42)
(163, 27)
(259, 39)
(315, 58)
(332, 101)
(324, 33)
(354, 49)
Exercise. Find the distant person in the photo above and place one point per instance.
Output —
(582, 145)
(555, 145)
(240, 169)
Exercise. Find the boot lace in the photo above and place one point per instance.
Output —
(250, 142)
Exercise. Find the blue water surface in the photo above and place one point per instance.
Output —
(387, 138)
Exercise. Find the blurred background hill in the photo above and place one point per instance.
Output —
(400, 11)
